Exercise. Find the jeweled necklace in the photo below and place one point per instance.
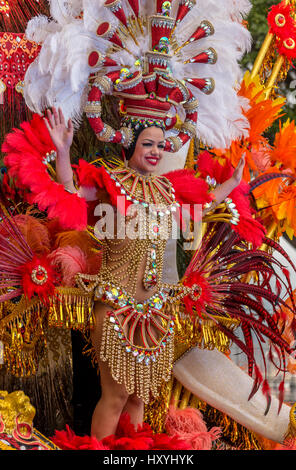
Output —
(155, 191)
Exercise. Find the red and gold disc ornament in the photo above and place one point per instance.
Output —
(39, 278)
(283, 25)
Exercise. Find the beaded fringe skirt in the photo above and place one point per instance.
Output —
(141, 370)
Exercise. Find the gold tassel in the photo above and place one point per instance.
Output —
(144, 379)
(71, 308)
(204, 333)
(23, 337)
(190, 156)
(24, 324)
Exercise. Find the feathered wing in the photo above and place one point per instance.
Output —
(240, 283)
(27, 158)
(222, 266)
(59, 76)
(18, 261)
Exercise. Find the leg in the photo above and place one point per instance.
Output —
(110, 406)
(135, 408)
(114, 396)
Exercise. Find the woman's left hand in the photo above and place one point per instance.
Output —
(222, 191)
(238, 172)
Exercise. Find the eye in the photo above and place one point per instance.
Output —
(146, 144)
(161, 146)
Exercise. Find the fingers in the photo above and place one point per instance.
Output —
(48, 125)
(70, 126)
(241, 161)
(50, 119)
(61, 117)
(55, 117)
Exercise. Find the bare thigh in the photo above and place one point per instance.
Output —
(108, 384)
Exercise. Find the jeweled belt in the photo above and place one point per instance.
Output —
(131, 314)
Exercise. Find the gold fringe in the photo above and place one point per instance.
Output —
(157, 409)
(270, 67)
(22, 361)
(138, 377)
(190, 161)
(290, 436)
(71, 308)
(233, 433)
(204, 333)
(23, 327)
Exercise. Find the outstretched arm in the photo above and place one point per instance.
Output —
(62, 137)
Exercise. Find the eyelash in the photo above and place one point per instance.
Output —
(150, 145)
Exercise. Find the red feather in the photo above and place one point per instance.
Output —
(281, 394)
(197, 305)
(126, 438)
(188, 188)
(92, 176)
(48, 276)
(25, 150)
(223, 260)
(248, 228)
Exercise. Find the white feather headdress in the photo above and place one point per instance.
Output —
(60, 74)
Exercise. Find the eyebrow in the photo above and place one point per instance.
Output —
(150, 140)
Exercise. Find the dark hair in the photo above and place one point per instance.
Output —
(128, 152)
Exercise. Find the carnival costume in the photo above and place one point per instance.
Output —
(47, 282)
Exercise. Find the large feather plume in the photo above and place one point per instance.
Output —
(224, 261)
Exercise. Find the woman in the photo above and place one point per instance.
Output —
(146, 153)
(155, 70)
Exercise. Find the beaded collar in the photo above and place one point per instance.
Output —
(151, 191)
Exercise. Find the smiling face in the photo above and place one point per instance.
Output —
(148, 150)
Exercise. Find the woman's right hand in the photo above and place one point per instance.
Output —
(62, 137)
(60, 133)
